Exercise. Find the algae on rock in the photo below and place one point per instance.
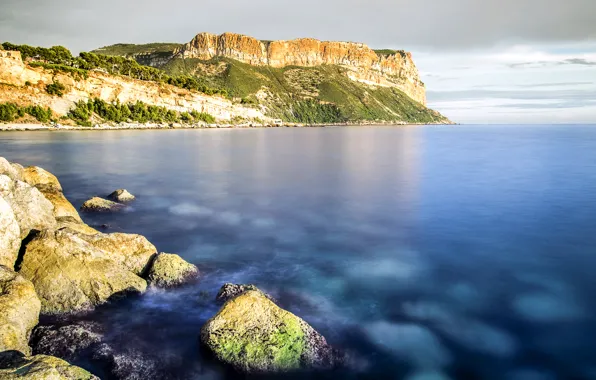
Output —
(254, 335)
(14, 366)
(169, 270)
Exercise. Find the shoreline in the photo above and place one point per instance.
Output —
(12, 127)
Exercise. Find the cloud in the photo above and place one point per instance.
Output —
(434, 24)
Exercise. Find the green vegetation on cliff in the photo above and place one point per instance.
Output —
(10, 112)
(129, 50)
(138, 112)
(321, 94)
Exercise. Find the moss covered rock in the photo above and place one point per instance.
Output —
(14, 366)
(73, 272)
(169, 270)
(97, 204)
(31, 209)
(10, 235)
(121, 196)
(19, 311)
(229, 291)
(254, 335)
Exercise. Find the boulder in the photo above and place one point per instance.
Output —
(38, 177)
(16, 366)
(31, 209)
(169, 270)
(19, 311)
(11, 170)
(10, 235)
(254, 335)
(133, 252)
(71, 274)
(121, 196)
(50, 187)
(97, 204)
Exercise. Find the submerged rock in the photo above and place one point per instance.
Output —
(169, 270)
(121, 196)
(97, 204)
(10, 235)
(31, 209)
(254, 335)
(73, 272)
(66, 342)
(16, 366)
(19, 311)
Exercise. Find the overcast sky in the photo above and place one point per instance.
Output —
(484, 61)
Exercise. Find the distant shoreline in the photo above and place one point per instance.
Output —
(132, 126)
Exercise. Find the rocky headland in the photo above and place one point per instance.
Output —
(55, 266)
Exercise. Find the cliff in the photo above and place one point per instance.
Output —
(363, 64)
(25, 85)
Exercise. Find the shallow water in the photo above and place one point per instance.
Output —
(465, 252)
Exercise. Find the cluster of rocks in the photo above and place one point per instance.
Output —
(52, 263)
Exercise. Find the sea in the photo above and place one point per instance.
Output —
(422, 252)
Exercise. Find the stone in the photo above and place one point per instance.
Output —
(31, 209)
(10, 235)
(169, 270)
(38, 177)
(121, 196)
(76, 225)
(229, 291)
(19, 311)
(97, 204)
(16, 366)
(10, 170)
(71, 273)
(254, 335)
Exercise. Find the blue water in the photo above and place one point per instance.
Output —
(465, 252)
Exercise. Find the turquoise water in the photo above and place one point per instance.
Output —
(466, 252)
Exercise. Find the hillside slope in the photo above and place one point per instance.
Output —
(304, 80)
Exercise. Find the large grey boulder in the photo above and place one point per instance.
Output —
(19, 311)
(10, 235)
(73, 272)
(31, 209)
(169, 270)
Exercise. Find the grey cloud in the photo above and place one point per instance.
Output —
(410, 24)
(571, 95)
(570, 61)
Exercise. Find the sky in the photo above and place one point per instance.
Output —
(483, 61)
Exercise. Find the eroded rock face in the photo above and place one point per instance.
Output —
(254, 335)
(31, 209)
(97, 204)
(121, 196)
(15, 366)
(71, 272)
(10, 235)
(19, 311)
(169, 270)
(66, 342)
(365, 65)
(38, 177)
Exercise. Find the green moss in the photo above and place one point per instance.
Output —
(284, 347)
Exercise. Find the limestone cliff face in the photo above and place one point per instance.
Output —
(363, 63)
(25, 85)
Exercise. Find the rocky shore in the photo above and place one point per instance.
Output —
(135, 126)
(54, 265)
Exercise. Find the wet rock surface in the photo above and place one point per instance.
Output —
(16, 366)
(121, 196)
(169, 270)
(101, 205)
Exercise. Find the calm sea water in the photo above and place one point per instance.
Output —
(466, 252)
